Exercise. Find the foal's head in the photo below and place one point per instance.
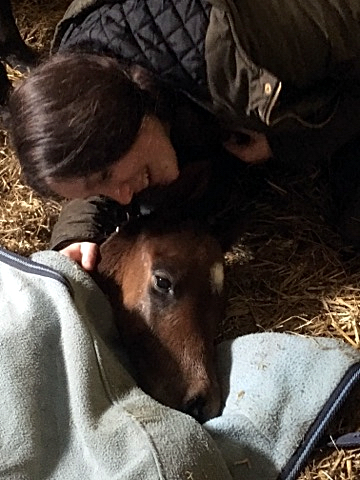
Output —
(165, 284)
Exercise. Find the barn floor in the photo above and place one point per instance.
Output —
(289, 272)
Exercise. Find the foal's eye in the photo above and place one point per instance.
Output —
(162, 284)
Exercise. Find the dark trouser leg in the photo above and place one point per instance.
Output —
(345, 186)
(13, 49)
(5, 84)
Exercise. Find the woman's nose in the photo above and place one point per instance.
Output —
(123, 194)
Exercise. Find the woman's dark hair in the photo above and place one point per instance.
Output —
(76, 114)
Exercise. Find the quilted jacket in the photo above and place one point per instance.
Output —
(289, 68)
(244, 60)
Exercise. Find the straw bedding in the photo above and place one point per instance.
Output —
(288, 272)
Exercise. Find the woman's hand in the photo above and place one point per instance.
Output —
(84, 253)
(255, 150)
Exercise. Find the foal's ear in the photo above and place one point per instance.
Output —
(111, 251)
(108, 266)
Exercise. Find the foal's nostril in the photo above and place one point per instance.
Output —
(195, 407)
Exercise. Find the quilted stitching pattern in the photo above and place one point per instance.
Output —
(166, 36)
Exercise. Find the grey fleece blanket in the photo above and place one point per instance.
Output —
(70, 410)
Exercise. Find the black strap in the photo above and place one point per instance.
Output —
(318, 428)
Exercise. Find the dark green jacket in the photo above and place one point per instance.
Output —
(289, 68)
(281, 60)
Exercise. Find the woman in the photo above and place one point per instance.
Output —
(165, 75)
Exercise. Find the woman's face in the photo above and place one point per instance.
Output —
(151, 161)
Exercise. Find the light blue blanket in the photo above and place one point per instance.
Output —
(69, 409)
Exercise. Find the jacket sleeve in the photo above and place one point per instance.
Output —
(87, 220)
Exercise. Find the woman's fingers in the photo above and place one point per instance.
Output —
(89, 253)
(84, 253)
